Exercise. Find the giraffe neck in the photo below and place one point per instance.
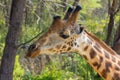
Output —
(103, 59)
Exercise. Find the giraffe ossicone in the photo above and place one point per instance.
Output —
(66, 36)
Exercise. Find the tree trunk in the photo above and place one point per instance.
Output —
(113, 8)
(9, 53)
(116, 43)
(110, 27)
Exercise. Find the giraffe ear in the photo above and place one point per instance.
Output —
(57, 24)
(56, 20)
(68, 13)
(79, 29)
(74, 16)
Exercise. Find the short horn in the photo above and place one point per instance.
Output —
(68, 13)
(78, 8)
(73, 18)
(56, 20)
(57, 23)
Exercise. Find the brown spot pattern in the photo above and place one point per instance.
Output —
(75, 43)
(117, 68)
(68, 43)
(106, 70)
(113, 59)
(107, 66)
(101, 60)
(119, 63)
(71, 43)
(85, 57)
(97, 48)
(98, 65)
(58, 46)
(104, 73)
(92, 53)
(85, 48)
(116, 76)
(102, 44)
(64, 46)
(98, 45)
(95, 64)
(89, 41)
(69, 48)
(106, 55)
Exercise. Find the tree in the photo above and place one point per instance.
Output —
(11, 43)
(113, 8)
(116, 43)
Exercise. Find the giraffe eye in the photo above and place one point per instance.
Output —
(32, 47)
(64, 35)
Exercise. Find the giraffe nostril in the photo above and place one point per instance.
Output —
(32, 47)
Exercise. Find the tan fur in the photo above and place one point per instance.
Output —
(106, 47)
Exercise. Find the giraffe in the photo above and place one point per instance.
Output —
(66, 36)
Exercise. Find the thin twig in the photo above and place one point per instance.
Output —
(23, 44)
(2, 5)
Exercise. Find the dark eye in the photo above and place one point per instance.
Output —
(33, 46)
(64, 36)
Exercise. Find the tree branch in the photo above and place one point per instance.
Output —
(23, 45)
(2, 5)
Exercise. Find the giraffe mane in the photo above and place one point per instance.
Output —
(106, 47)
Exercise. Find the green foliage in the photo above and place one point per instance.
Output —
(51, 72)
(3, 32)
(81, 68)
(2, 20)
(18, 71)
(88, 6)
(28, 33)
(75, 68)
(54, 72)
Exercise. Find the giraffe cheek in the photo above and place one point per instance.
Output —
(33, 54)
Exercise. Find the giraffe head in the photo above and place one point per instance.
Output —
(59, 35)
